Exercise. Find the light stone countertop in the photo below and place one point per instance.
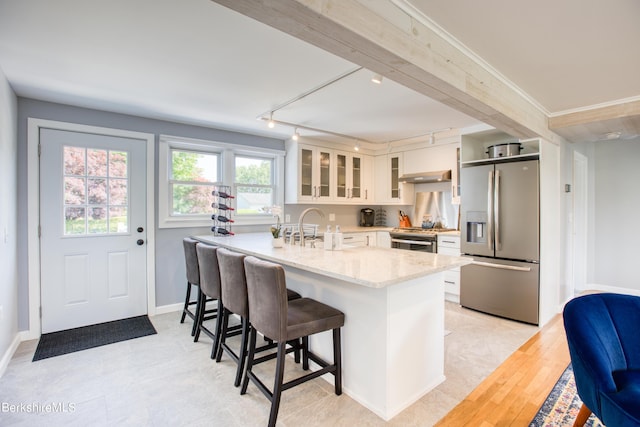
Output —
(367, 266)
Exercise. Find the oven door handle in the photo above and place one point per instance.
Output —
(413, 242)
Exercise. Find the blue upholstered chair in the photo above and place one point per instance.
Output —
(603, 332)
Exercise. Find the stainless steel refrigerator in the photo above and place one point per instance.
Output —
(500, 228)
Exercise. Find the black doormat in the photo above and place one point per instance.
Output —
(71, 340)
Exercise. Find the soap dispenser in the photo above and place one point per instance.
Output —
(337, 239)
(328, 239)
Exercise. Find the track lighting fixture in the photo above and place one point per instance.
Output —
(357, 146)
(271, 123)
(377, 78)
(432, 140)
(295, 135)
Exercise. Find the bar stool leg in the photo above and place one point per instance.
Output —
(305, 353)
(337, 360)
(200, 309)
(223, 334)
(216, 341)
(201, 298)
(243, 351)
(186, 303)
(277, 385)
(250, 357)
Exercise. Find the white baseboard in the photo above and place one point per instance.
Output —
(6, 357)
(168, 309)
(605, 288)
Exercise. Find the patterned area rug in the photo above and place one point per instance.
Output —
(71, 340)
(562, 405)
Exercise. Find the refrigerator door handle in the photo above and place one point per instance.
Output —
(496, 209)
(490, 206)
(501, 266)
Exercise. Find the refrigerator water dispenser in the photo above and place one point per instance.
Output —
(476, 227)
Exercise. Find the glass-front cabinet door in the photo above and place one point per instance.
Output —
(356, 178)
(324, 184)
(395, 175)
(314, 169)
(341, 176)
(306, 172)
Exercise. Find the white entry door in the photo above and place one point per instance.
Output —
(93, 230)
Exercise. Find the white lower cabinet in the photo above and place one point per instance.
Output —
(383, 239)
(450, 245)
(359, 239)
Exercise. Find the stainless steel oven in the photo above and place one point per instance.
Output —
(414, 240)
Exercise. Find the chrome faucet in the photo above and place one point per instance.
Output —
(301, 220)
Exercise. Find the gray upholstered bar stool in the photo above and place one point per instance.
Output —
(210, 287)
(282, 320)
(233, 286)
(193, 279)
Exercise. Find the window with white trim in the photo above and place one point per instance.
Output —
(188, 169)
(254, 185)
(192, 177)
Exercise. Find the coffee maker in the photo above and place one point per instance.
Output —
(367, 217)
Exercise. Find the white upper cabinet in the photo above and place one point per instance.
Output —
(319, 175)
(353, 178)
(389, 189)
(309, 177)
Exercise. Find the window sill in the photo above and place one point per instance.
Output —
(207, 222)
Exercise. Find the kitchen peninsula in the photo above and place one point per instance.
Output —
(393, 300)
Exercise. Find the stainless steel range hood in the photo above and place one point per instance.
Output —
(434, 176)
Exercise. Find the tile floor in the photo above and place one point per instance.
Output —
(168, 380)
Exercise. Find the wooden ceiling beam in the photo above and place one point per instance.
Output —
(407, 51)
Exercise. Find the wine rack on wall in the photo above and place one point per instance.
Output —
(222, 210)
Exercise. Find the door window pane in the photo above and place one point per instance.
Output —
(95, 189)
(96, 162)
(118, 164)
(118, 192)
(74, 161)
(74, 191)
(75, 222)
(97, 223)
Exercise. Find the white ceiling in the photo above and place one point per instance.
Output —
(194, 61)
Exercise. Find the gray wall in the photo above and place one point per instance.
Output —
(8, 216)
(616, 214)
(170, 275)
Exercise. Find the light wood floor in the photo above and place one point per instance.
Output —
(512, 394)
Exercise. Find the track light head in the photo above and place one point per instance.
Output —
(295, 135)
(357, 146)
(271, 124)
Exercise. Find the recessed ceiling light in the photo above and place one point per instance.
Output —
(377, 78)
(612, 135)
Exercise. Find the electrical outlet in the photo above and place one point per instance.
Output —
(287, 218)
(332, 217)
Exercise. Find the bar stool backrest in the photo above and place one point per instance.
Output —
(267, 289)
(233, 282)
(191, 260)
(209, 270)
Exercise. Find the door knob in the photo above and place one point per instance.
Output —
(140, 229)
(140, 242)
